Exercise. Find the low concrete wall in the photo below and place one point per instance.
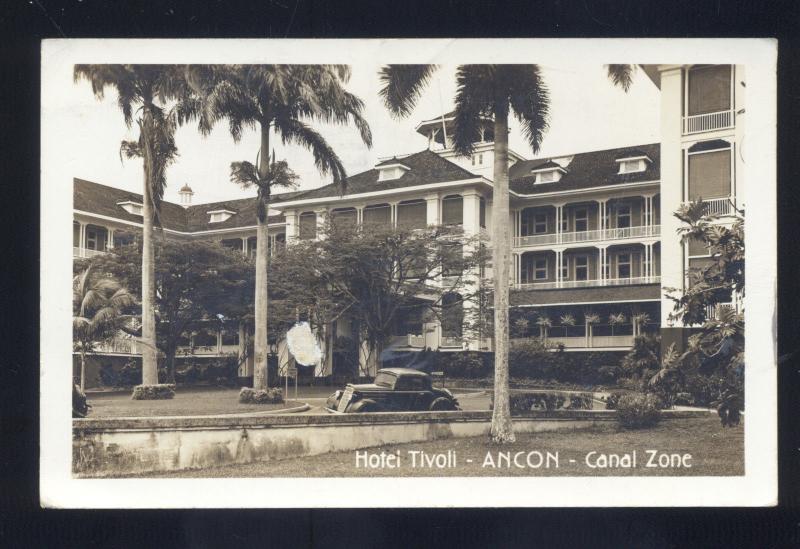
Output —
(119, 446)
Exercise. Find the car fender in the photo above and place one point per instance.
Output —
(363, 403)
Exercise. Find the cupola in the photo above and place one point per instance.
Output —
(439, 131)
(186, 194)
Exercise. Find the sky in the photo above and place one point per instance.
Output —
(586, 113)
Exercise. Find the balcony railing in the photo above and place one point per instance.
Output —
(416, 341)
(698, 123)
(85, 252)
(452, 341)
(119, 346)
(642, 231)
(550, 285)
(718, 206)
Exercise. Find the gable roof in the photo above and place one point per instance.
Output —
(587, 170)
(103, 200)
(425, 167)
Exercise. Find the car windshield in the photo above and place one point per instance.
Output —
(384, 380)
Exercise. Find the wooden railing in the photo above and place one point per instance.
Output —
(698, 123)
(641, 231)
(550, 285)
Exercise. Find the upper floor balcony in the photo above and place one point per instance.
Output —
(708, 99)
(599, 282)
(707, 122)
(596, 235)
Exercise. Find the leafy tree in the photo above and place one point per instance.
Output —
(283, 99)
(495, 91)
(98, 307)
(377, 276)
(717, 345)
(143, 92)
(198, 284)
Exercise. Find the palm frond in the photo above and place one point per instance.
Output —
(474, 101)
(244, 174)
(621, 75)
(401, 86)
(325, 158)
(529, 99)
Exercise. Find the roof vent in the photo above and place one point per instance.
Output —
(549, 172)
(218, 216)
(633, 162)
(391, 169)
(131, 207)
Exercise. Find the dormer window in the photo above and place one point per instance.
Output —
(633, 164)
(391, 170)
(549, 172)
(218, 216)
(131, 207)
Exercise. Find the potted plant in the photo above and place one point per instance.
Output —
(544, 323)
(615, 320)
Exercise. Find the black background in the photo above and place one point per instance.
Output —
(24, 23)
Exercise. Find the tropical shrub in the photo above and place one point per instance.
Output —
(254, 396)
(638, 411)
(162, 391)
(612, 401)
(530, 358)
(644, 356)
(127, 375)
(460, 364)
(522, 402)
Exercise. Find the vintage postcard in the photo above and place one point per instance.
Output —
(408, 273)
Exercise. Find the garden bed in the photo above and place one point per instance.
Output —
(186, 402)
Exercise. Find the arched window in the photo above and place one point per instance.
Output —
(453, 210)
(308, 226)
(344, 216)
(412, 214)
(378, 214)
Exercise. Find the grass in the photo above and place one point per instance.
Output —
(187, 402)
(715, 452)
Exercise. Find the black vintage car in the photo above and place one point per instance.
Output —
(394, 390)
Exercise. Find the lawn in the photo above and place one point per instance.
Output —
(187, 402)
(715, 452)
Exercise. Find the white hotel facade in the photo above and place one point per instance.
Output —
(593, 232)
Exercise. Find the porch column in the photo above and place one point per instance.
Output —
(432, 216)
(360, 215)
(321, 218)
(559, 218)
(244, 245)
(393, 214)
(601, 215)
(559, 258)
(109, 239)
(601, 264)
(82, 240)
(291, 226)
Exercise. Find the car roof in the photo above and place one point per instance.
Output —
(402, 372)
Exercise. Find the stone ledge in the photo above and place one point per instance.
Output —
(89, 425)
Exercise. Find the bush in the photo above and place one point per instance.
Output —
(464, 364)
(637, 411)
(162, 391)
(254, 396)
(530, 357)
(522, 402)
(128, 375)
(612, 401)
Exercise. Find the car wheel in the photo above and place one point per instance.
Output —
(442, 404)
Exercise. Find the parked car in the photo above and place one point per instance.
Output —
(393, 390)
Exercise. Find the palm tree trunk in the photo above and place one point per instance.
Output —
(83, 370)
(149, 353)
(260, 344)
(502, 430)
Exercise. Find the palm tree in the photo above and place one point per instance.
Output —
(142, 91)
(496, 91)
(97, 306)
(283, 99)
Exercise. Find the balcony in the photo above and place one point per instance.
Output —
(719, 206)
(642, 231)
(721, 120)
(588, 283)
(85, 252)
(593, 342)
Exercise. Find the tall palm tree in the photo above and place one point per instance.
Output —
(97, 307)
(142, 92)
(283, 99)
(494, 91)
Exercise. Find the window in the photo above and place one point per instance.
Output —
(708, 89)
(344, 216)
(623, 216)
(477, 159)
(95, 238)
(232, 243)
(452, 315)
(205, 338)
(308, 226)
(709, 174)
(624, 265)
(280, 241)
(412, 214)
(540, 223)
(482, 212)
(385, 379)
(540, 269)
(631, 166)
(452, 259)
(581, 220)
(546, 177)
(410, 383)
(452, 210)
(581, 267)
(230, 337)
(378, 214)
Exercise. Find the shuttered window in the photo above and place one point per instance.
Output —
(709, 89)
(412, 214)
(344, 216)
(710, 174)
(379, 214)
(452, 210)
(308, 226)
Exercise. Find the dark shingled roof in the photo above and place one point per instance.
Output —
(425, 167)
(642, 292)
(587, 170)
(102, 199)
